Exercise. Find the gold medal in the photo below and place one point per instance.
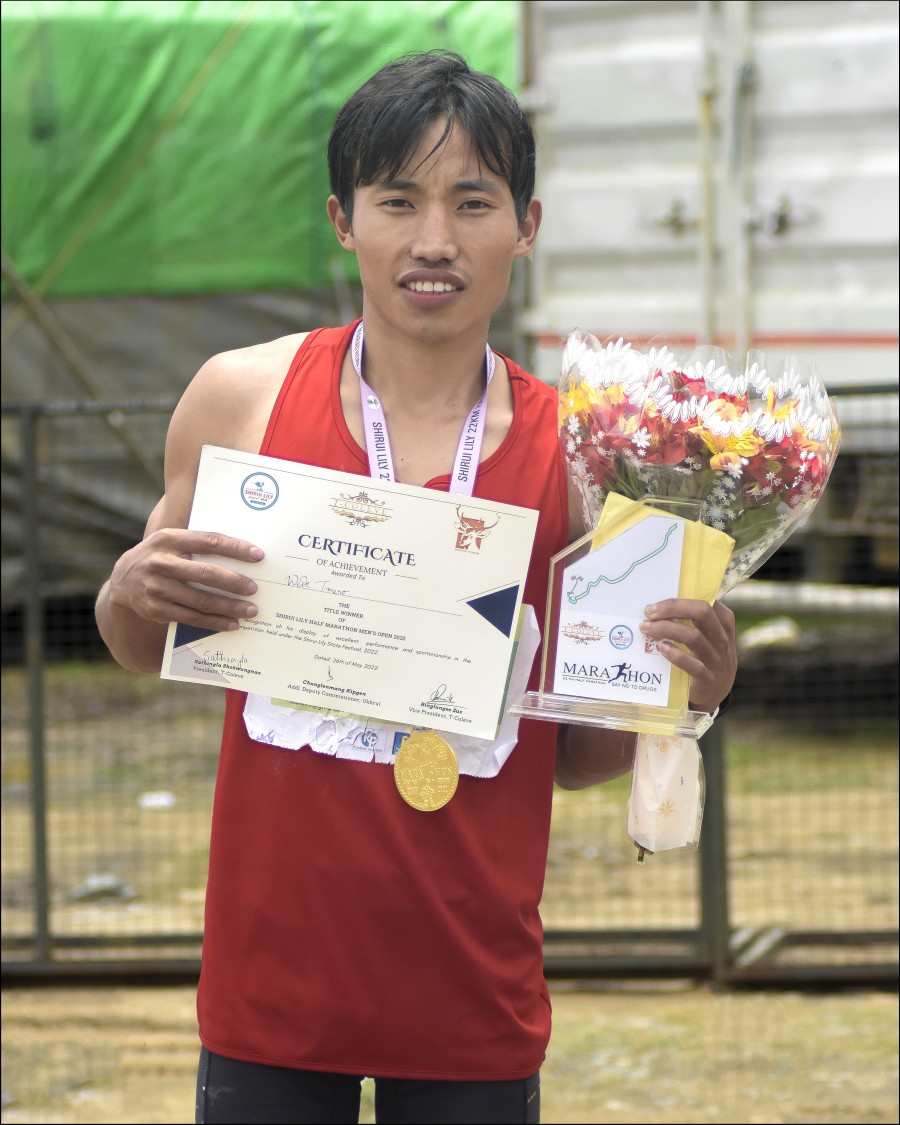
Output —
(426, 771)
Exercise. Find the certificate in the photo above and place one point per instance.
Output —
(378, 599)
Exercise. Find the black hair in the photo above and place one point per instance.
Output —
(381, 125)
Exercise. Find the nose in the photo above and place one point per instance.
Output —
(434, 238)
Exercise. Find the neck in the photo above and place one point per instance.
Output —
(431, 374)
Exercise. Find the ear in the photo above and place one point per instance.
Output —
(528, 229)
(341, 223)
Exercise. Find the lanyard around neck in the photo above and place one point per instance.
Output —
(378, 446)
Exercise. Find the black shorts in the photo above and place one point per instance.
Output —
(241, 1093)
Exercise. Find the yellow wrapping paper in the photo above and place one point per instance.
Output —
(665, 808)
(705, 556)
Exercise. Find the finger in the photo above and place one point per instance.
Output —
(686, 660)
(200, 572)
(683, 633)
(725, 617)
(209, 603)
(196, 618)
(161, 594)
(692, 609)
(183, 541)
(691, 622)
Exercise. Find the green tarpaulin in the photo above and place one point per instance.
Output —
(164, 187)
(178, 148)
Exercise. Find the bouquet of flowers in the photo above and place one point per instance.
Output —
(755, 447)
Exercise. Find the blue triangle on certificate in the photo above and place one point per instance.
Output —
(187, 634)
(499, 608)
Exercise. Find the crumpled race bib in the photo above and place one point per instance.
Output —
(345, 736)
(667, 790)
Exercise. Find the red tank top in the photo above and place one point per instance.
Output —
(346, 931)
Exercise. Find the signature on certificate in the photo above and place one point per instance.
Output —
(440, 695)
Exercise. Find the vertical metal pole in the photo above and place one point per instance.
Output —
(742, 155)
(714, 924)
(34, 658)
(525, 282)
(706, 132)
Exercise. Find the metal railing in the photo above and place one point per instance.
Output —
(107, 777)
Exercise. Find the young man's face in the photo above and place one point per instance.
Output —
(435, 245)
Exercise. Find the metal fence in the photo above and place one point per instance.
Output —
(107, 777)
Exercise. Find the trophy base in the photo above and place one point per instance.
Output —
(613, 716)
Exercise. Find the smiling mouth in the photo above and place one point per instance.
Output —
(431, 287)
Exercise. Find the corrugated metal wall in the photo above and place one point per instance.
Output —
(719, 169)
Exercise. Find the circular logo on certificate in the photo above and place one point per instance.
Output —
(259, 491)
(620, 636)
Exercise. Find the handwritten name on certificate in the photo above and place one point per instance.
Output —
(379, 599)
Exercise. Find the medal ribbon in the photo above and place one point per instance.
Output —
(378, 445)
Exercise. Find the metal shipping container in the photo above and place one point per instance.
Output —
(727, 172)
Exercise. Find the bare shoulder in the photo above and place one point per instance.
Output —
(229, 400)
(227, 403)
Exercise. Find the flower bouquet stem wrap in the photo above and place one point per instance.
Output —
(752, 445)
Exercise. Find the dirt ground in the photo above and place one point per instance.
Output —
(670, 1052)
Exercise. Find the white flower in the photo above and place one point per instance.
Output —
(687, 408)
(715, 516)
(661, 360)
(725, 427)
(571, 446)
(708, 374)
(657, 391)
(641, 439)
(723, 382)
(812, 421)
(756, 377)
(585, 360)
(789, 385)
(615, 350)
(632, 458)
(577, 356)
(773, 430)
(572, 425)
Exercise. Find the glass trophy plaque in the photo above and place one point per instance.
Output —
(597, 667)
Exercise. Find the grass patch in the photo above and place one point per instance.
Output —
(811, 818)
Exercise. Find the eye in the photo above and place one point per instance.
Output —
(475, 205)
(396, 204)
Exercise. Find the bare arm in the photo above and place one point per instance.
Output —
(588, 755)
(227, 404)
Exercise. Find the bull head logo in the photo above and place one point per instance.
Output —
(470, 530)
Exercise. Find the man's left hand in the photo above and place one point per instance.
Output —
(708, 653)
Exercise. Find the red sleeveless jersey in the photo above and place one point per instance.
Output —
(345, 931)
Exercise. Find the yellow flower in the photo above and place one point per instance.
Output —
(725, 429)
(579, 399)
(723, 460)
(782, 413)
(615, 393)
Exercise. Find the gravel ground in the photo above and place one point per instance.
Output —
(629, 1053)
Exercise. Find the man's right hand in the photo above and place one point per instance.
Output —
(155, 583)
(157, 579)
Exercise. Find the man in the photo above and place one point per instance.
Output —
(347, 934)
